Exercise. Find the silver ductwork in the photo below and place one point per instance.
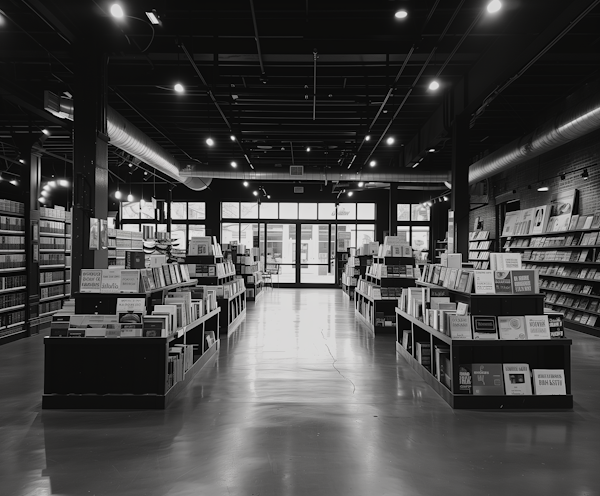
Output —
(572, 124)
(124, 135)
(392, 177)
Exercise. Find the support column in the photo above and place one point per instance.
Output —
(90, 165)
(460, 184)
(393, 210)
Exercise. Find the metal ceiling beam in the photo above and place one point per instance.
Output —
(50, 19)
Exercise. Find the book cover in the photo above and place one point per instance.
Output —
(596, 220)
(537, 326)
(487, 379)
(573, 222)
(111, 281)
(581, 222)
(511, 327)
(525, 281)
(510, 221)
(459, 326)
(502, 282)
(517, 379)
(525, 222)
(549, 382)
(484, 327)
(588, 222)
(90, 281)
(462, 281)
(94, 234)
(540, 219)
(131, 305)
(484, 282)
(462, 308)
(130, 281)
(465, 379)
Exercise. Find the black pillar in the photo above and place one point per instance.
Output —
(90, 165)
(393, 210)
(460, 184)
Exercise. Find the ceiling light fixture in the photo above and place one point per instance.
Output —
(234, 164)
(445, 198)
(179, 88)
(448, 184)
(372, 163)
(368, 137)
(45, 193)
(129, 197)
(142, 203)
(63, 182)
(41, 199)
(117, 11)
(232, 137)
(431, 150)
(269, 197)
(118, 195)
(210, 141)
(153, 17)
(563, 177)
(390, 141)
(401, 14)
(22, 160)
(429, 204)
(585, 174)
(494, 6)
(14, 182)
(361, 184)
(434, 85)
(350, 193)
(45, 188)
(308, 148)
(543, 188)
(46, 132)
(245, 183)
(415, 165)
(255, 193)
(52, 184)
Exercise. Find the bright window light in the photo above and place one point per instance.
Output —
(116, 11)
(152, 17)
(401, 14)
(179, 88)
(390, 141)
(494, 6)
(434, 85)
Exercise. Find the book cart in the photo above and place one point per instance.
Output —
(374, 311)
(539, 354)
(233, 308)
(569, 268)
(13, 278)
(121, 373)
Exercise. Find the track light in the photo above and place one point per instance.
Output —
(63, 182)
(361, 184)
(415, 165)
(46, 187)
(585, 174)
(434, 85)
(153, 17)
(431, 150)
(494, 6)
(22, 160)
(255, 193)
(543, 188)
(429, 204)
(52, 184)
(368, 137)
(448, 184)
(401, 14)
(390, 141)
(350, 193)
(372, 163)
(46, 132)
(179, 88)
(45, 193)
(563, 177)
(210, 141)
(118, 195)
(129, 197)
(245, 183)
(41, 199)
(269, 197)
(117, 11)
(14, 182)
(445, 198)
(308, 148)
(234, 164)
(232, 137)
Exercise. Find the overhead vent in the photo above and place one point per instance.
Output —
(298, 189)
(296, 170)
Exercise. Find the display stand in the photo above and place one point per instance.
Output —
(121, 373)
(377, 313)
(539, 354)
(254, 283)
(480, 247)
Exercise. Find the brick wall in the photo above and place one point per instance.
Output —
(583, 152)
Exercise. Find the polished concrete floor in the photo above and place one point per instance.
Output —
(302, 400)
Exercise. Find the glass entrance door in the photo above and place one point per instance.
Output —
(317, 254)
(281, 252)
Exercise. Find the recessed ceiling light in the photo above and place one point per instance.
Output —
(116, 11)
(434, 85)
(308, 148)
(255, 193)
(152, 17)
(350, 193)
(368, 137)
(179, 88)
(361, 184)
(372, 163)
(401, 14)
(232, 137)
(234, 164)
(245, 183)
(210, 141)
(494, 6)
(390, 141)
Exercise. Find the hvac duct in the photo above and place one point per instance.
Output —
(400, 177)
(572, 124)
(124, 135)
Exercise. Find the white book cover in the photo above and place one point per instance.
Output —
(111, 281)
(512, 328)
(135, 305)
(484, 282)
(130, 281)
(526, 221)
(540, 219)
(511, 261)
(510, 221)
(459, 326)
(91, 281)
(537, 326)
(517, 379)
(549, 382)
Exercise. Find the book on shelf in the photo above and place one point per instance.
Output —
(459, 326)
(511, 327)
(484, 327)
(549, 382)
(484, 282)
(502, 282)
(541, 218)
(90, 281)
(537, 327)
(465, 379)
(510, 222)
(517, 379)
(505, 261)
(487, 379)
(525, 281)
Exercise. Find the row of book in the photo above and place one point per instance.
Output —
(560, 256)
(570, 287)
(51, 306)
(479, 255)
(11, 318)
(579, 316)
(132, 280)
(8, 282)
(573, 302)
(481, 264)
(52, 259)
(52, 226)
(57, 212)
(48, 292)
(575, 239)
(219, 269)
(587, 273)
(380, 270)
(480, 245)
(15, 224)
(52, 243)
(479, 236)
(12, 299)
(179, 361)
(12, 242)
(12, 261)
(12, 206)
(204, 246)
(51, 276)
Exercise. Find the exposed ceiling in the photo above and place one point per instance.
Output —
(253, 77)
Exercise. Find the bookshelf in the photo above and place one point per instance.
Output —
(538, 354)
(378, 290)
(480, 247)
(568, 263)
(122, 373)
(13, 280)
(341, 259)
(441, 246)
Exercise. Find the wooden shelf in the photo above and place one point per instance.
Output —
(583, 295)
(13, 290)
(9, 309)
(51, 283)
(12, 269)
(58, 266)
(55, 235)
(569, 277)
(50, 298)
(561, 262)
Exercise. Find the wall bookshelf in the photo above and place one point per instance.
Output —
(480, 247)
